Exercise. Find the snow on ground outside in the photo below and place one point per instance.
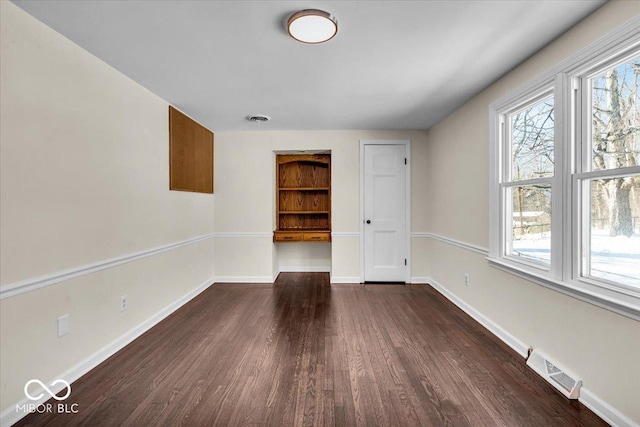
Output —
(612, 258)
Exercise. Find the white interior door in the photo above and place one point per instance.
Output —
(385, 185)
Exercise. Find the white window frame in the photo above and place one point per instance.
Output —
(504, 135)
(583, 171)
(565, 81)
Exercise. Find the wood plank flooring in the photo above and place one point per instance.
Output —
(303, 352)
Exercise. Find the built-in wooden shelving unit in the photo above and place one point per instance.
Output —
(303, 198)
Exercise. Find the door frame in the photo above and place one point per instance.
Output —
(407, 149)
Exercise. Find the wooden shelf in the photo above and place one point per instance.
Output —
(303, 212)
(306, 230)
(303, 198)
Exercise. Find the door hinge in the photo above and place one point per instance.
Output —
(405, 261)
(405, 160)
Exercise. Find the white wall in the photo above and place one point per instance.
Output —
(84, 179)
(303, 256)
(601, 347)
(245, 200)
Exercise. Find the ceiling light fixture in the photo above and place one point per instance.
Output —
(312, 26)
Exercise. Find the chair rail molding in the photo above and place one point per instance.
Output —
(469, 246)
(33, 284)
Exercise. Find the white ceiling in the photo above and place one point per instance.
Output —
(393, 64)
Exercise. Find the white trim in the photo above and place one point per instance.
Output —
(30, 285)
(468, 246)
(345, 234)
(361, 217)
(242, 234)
(521, 348)
(496, 125)
(408, 193)
(306, 269)
(10, 416)
(418, 280)
(528, 182)
(568, 133)
(605, 411)
(608, 173)
(345, 279)
(246, 279)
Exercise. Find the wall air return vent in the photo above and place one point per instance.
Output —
(564, 381)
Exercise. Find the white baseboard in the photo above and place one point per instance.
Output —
(599, 407)
(246, 279)
(605, 411)
(11, 416)
(513, 342)
(345, 279)
(309, 269)
(418, 280)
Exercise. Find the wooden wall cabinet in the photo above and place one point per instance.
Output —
(303, 198)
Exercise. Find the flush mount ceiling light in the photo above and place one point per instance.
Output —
(312, 26)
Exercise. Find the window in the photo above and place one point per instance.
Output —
(565, 176)
(610, 177)
(528, 180)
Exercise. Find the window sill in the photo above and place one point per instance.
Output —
(626, 303)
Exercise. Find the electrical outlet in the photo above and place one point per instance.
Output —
(123, 303)
(63, 325)
(466, 279)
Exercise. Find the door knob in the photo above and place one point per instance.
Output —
(368, 221)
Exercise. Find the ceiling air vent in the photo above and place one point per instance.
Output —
(258, 118)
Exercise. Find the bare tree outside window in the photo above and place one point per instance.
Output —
(615, 103)
(614, 251)
(532, 143)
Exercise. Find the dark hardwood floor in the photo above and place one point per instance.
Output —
(302, 352)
